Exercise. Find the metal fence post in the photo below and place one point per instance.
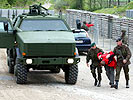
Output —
(96, 31)
(73, 21)
(1, 13)
(128, 32)
(23, 11)
(102, 32)
(120, 26)
(16, 12)
(8, 15)
(13, 15)
(110, 24)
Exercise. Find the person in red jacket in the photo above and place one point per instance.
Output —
(109, 62)
(89, 24)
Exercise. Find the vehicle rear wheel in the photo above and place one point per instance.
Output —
(71, 74)
(10, 65)
(20, 74)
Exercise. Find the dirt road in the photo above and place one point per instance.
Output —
(45, 86)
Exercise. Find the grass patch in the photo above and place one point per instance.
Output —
(116, 10)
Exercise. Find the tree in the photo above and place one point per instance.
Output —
(60, 5)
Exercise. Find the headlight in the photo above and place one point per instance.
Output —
(29, 61)
(70, 60)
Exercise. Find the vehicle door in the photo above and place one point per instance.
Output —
(7, 38)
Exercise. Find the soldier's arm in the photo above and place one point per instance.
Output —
(129, 54)
(114, 51)
(101, 51)
(126, 40)
(86, 28)
(88, 57)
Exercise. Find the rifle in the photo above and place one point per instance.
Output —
(119, 52)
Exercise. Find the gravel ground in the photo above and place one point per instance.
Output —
(45, 86)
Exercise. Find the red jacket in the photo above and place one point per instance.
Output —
(89, 25)
(111, 62)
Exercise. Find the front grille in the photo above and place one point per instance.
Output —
(52, 49)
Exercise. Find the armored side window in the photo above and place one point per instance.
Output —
(2, 27)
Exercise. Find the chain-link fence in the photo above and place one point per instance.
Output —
(129, 13)
(106, 26)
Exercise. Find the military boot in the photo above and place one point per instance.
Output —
(116, 84)
(127, 84)
(112, 86)
(99, 84)
(95, 83)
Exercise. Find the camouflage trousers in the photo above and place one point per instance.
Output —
(118, 70)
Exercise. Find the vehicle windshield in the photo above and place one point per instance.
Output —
(79, 34)
(43, 25)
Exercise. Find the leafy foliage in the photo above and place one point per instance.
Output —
(4, 4)
(60, 4)
(18, 3)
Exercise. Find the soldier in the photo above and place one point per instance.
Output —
(124, 37)
(123, 54)
(84, 26)
(92, 55)
(78, 23)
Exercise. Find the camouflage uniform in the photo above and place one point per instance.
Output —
(124, 37)
(85, 27)
(125, 40)
(126, 53)
(92, 54)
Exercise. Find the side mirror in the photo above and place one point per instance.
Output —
(6, 26)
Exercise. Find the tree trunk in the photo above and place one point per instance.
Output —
(129, 1)
(94, 4)
(90, 5)
(118, 2)
(109, 3)
(79, 4)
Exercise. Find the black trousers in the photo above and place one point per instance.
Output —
(99, 71)
(110, 73)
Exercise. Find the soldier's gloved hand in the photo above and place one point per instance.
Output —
(88, 65)
(99, 57)
(124, 61)
(107, 56)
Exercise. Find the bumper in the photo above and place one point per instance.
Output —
(83, 48)
(48, 61)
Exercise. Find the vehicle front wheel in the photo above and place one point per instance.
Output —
(20, 74)
(71, 74)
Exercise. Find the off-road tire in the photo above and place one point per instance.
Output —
(71, 74)
(10, 66)
(20, 74)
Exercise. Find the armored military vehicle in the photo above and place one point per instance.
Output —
(39, 41)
